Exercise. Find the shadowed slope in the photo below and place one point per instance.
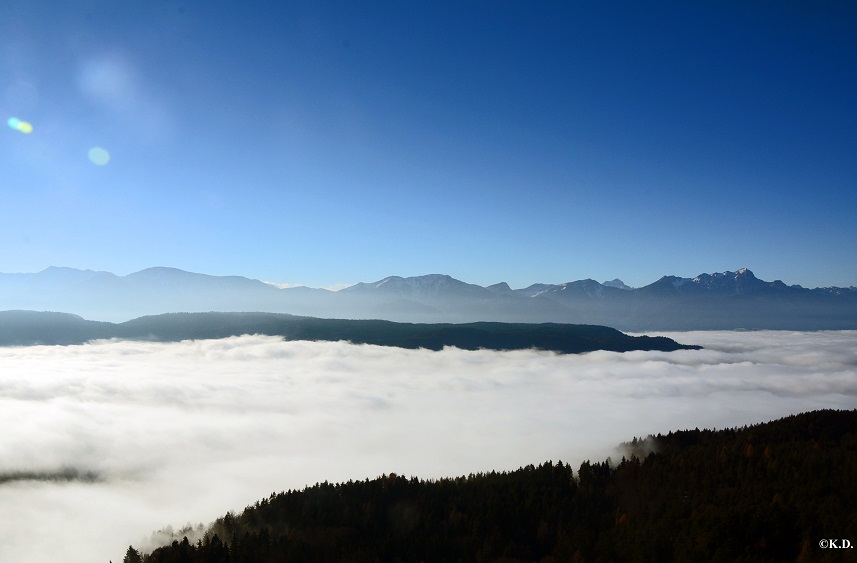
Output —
(762, 493)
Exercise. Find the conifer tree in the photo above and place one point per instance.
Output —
(132, 556)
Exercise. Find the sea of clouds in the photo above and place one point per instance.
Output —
(103, 443)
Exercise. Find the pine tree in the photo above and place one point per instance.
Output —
(132, 556)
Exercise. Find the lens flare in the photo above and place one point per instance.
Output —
(99, 156)
(22, 126)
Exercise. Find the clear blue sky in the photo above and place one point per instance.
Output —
(334, 142)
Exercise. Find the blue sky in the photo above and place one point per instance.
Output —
(325, 143)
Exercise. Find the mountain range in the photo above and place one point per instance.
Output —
(723, 300)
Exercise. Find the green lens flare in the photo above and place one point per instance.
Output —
(99, 156)
(18, 125)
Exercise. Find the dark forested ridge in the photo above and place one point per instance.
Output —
(769, 492)
(19, 328)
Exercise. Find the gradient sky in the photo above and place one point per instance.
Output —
(334, 142)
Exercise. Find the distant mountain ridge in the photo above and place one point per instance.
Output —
(722, 300)
(25, 328)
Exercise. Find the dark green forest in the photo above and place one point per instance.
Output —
(769, 492)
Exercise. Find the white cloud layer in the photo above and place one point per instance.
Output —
(182, 432)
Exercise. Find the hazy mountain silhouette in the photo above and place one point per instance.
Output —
(723, 300)
(20, 328)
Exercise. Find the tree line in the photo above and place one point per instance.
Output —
(768, 492)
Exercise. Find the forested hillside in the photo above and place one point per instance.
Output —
(24, 328)
(769, 492)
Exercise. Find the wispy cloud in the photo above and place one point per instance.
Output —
(185, 431)
(337, 286)
(333, 287)
(282, 285)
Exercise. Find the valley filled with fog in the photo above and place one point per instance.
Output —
(104, 443)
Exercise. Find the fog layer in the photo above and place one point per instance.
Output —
(103, 443)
